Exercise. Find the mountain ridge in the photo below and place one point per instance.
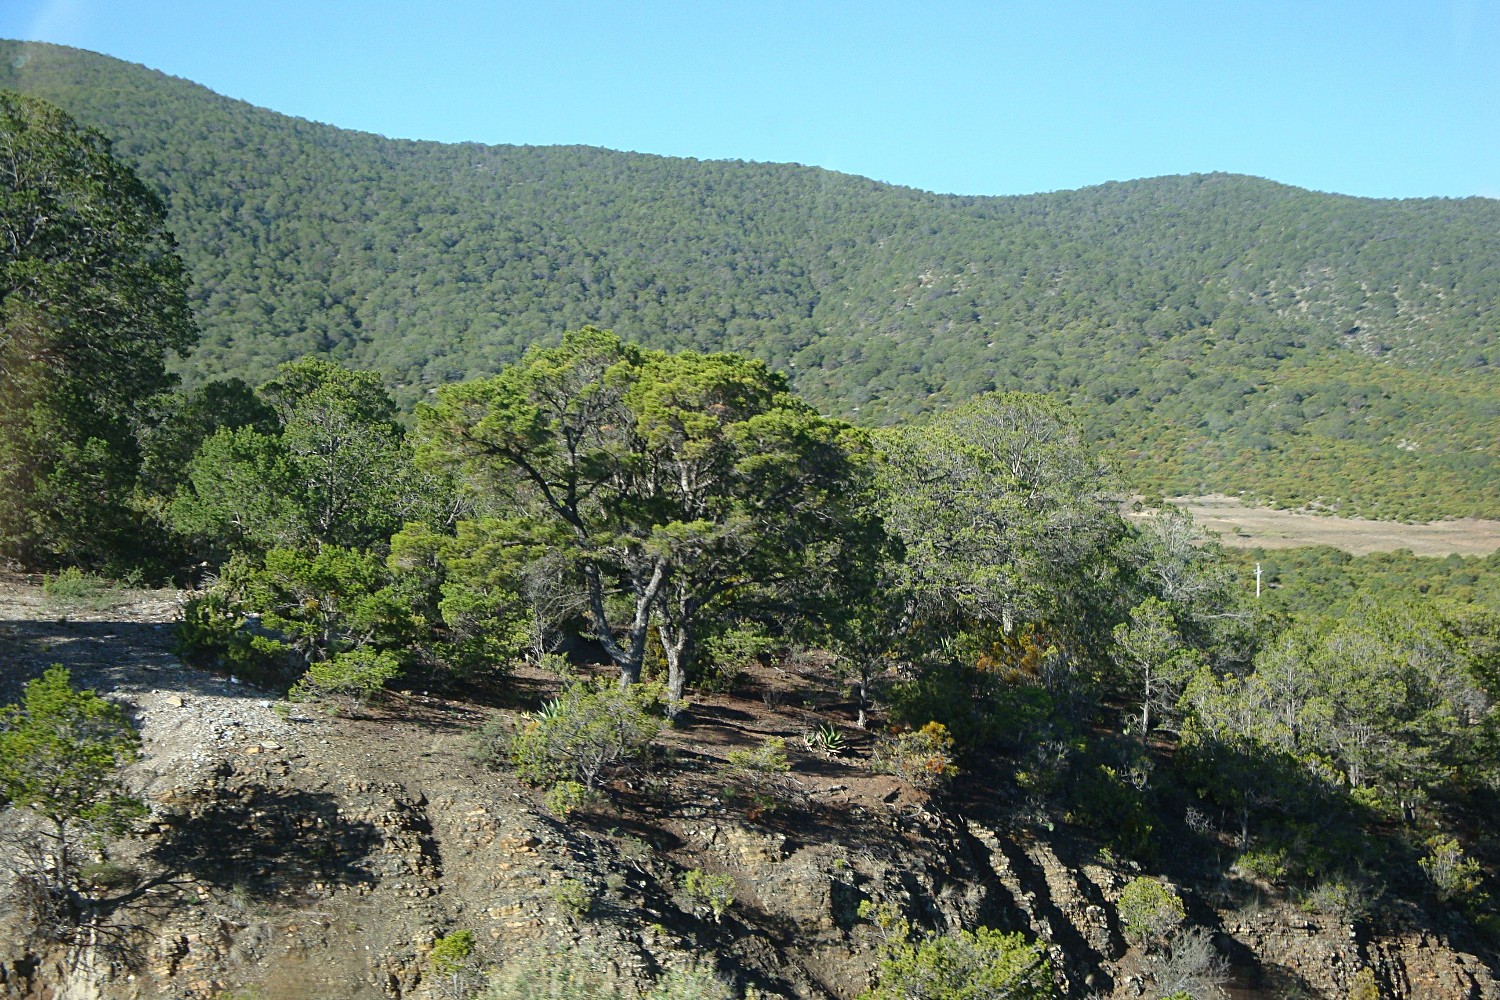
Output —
(1215, 330)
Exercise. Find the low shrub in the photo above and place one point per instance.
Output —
(923, 757)
(758, 777)
(1150, 912)
(1454, 876)
(589, 732)
(74, 590)
(347, 680)
(714, 891)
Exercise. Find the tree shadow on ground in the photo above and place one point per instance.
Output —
(266, 843)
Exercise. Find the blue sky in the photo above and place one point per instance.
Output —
(1369, 98)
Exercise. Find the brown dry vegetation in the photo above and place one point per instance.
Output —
(1243, 526)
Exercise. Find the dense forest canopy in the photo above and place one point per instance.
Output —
(1214, 331)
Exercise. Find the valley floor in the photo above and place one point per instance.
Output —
(1243, 526)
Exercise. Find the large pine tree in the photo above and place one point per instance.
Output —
(92, 297)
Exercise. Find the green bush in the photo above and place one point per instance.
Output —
(581, 974)
(714, 891)
(573, 895)
(1149, 912)
(977, 965)
(1269, 863)
(567, 797)
(348, 680)
(74, 590)
(758, 777)
(1103, 799)
(1454, 876)
(451, 952)
(1363, 985)
(923, 757)
(590, 731)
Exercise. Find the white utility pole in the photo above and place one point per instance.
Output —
(1257, 581)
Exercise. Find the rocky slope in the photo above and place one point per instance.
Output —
(297, 855)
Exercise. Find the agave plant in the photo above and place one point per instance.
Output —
(825, 739)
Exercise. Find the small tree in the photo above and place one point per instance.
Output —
(60, 753)
(586, 733)
(1149, 912)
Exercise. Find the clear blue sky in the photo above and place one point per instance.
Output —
(1385, 99)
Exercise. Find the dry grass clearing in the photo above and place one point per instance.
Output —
(1244, 526)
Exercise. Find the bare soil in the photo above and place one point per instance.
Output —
(1242, 526)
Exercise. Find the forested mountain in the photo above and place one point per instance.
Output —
(1217, 331)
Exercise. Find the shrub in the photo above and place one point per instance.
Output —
(1189, 967)
(968, 965)
(714, 891)
(1268, 863)
(1347, 902)
(453, 966)
(580, 974)
(825, 740)
(573, 895)
(591, 731)
(451, 952)
(1149, 912)
(758, 777)
(348, 679)
(61, 751)
(567, 797)
(1363, 985)
(1454, 876)
(923, 757)
(75, 590)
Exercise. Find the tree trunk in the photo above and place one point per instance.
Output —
(677, 645)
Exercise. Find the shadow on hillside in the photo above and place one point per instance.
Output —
(107, 656)
(266, 842)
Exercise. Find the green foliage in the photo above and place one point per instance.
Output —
(1348, 901)
(573, 896)
(567, 797)
(593, 730)
(451, 952)
(758, 777)
(333, 471)
(1149, 912)
(674, 492)
(1382, 702)
(1455, 877)
(1113, 803)
(347, 679)
(923, 757)
(1216, 330)
(1269, 863)
(983, 964)
(713, 891)
(74, 590)
(93, 297)
(581, 974)
(1363, 986)
(825, 739)
(1004, 513)
(61, 750)
(1149, 648)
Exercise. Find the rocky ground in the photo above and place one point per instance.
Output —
(291, 854)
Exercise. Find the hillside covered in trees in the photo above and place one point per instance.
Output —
(1032, 743)
(1214, 331)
